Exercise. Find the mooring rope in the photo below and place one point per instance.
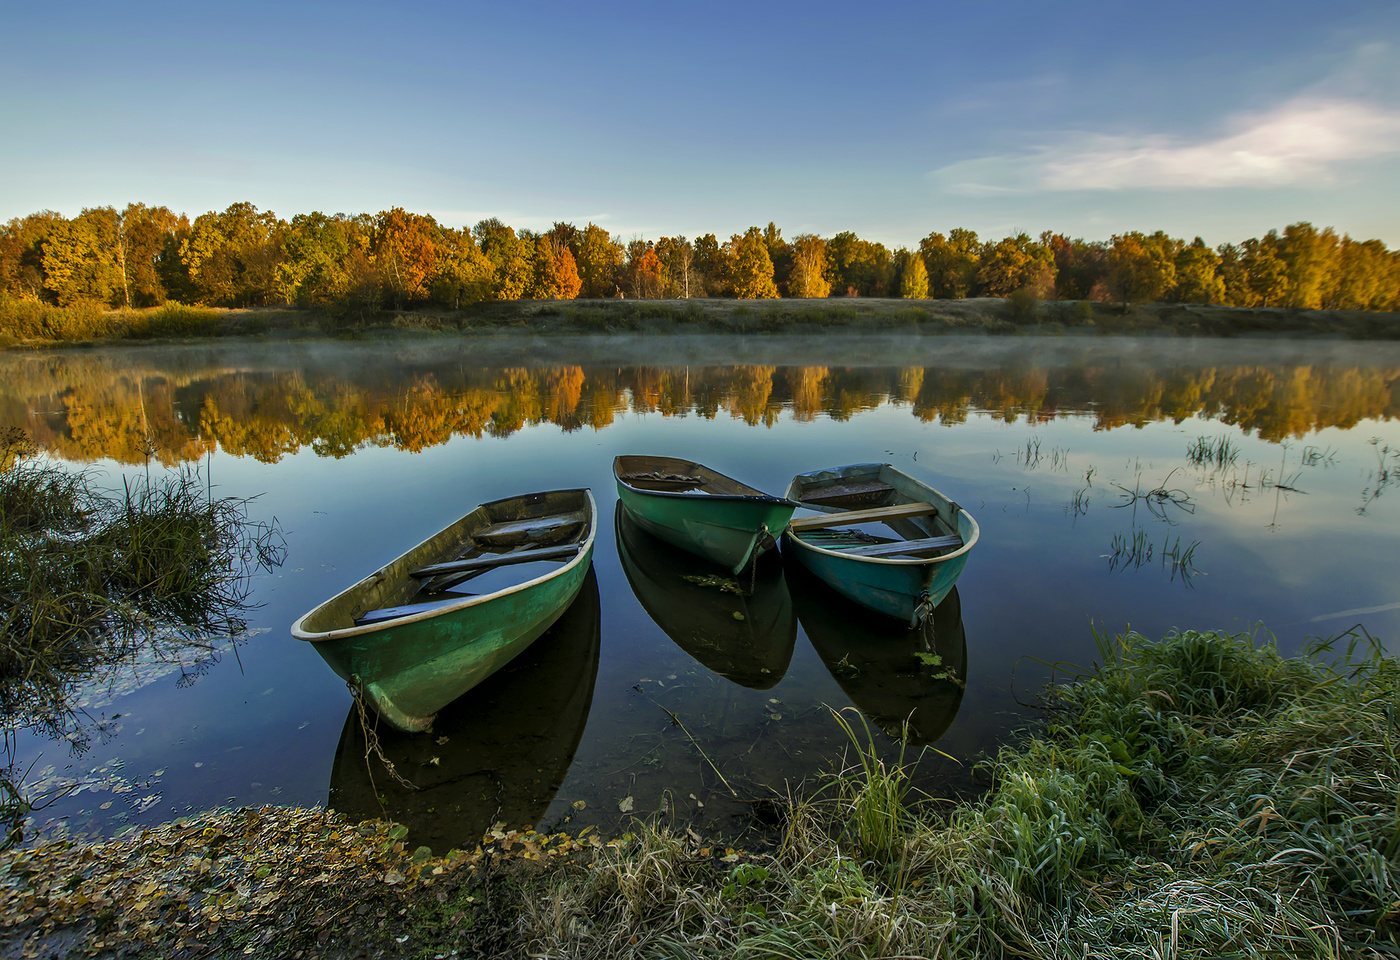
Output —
(372, 739)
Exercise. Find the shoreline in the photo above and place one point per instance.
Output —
(1198, 789)
(51, 327)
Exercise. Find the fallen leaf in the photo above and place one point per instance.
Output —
(625, 805)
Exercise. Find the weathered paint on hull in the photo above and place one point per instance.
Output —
(896, 591)
(410, 672)
(724, 530)
(898, 588)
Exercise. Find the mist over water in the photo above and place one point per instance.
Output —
(1074, 455)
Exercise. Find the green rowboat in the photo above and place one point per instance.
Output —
(882, 539)
(426, 628)
(497, 756)
(706, 513)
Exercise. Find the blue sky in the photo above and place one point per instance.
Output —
(1220, 119)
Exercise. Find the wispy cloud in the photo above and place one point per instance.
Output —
(1304, 140)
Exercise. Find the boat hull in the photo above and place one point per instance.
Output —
(411, 667)
(727, 529)
(901, 588)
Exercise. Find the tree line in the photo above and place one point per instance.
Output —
(144, 256)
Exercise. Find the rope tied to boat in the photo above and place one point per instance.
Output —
(764, 542)
(356, 686)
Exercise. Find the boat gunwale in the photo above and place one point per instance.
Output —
(788, 533)
(585, 552)
(758, 496)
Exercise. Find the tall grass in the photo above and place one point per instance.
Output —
(1197, 797)
(23, 321)
(88, 579)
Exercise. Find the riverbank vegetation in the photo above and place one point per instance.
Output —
(354, 269)
(1197, 797)
(154, 575)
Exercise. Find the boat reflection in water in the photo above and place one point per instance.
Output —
(497, 754)
(746, 639)
(891, 673)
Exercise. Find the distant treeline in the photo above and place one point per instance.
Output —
(357, 265)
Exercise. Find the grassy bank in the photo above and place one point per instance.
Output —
(1200, 796)
(25, 323)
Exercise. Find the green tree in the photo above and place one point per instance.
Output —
(599, 257)
(22, 254)
(513, 257)
(677, 256)
(859, 267)
(750, 266)
(464, 274)
(809, 276)
(712, 264)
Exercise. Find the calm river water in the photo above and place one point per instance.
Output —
(1074, 455)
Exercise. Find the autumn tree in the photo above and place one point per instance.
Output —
(1197, 275)
(677, 256)
(1311, 257)
(1016, 263)
(1140, 268)
(951, 262)
(913, 275)
(404, 247)
(81, 262)
(1265, 270)
(750, 266)
(232, 257)
(22, 254)
(780, 252)
(808, 278)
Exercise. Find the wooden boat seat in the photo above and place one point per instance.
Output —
(494, 560)
(927, 545)
(407, 610)
(541, 529)
(656, 480)
(897, 512)
(849, 494)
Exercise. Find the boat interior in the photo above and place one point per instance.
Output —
(863, 516)
(494, 547)
(673, 475)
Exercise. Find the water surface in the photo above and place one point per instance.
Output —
(1072, 454)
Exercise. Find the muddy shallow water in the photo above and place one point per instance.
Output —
(1161, 484)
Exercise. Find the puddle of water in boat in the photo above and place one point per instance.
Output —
(651, 693)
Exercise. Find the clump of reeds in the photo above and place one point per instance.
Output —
(1218, 452)
(1201, 796)
(88, 579)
